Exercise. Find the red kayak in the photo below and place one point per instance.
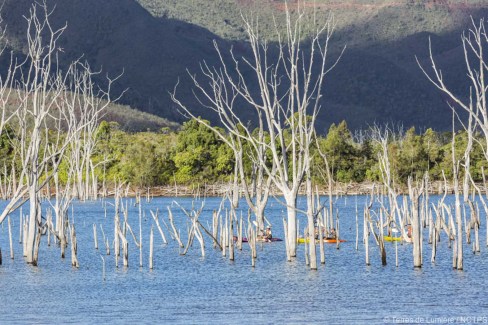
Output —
(262, 240)
(326, 240)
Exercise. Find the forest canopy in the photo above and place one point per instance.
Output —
(195, 155)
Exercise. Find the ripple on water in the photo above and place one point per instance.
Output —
(191, 289)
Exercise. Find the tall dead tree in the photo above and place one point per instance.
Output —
(7, 84)
(415, 193)
(475, 41)
(39, 92)
(221, 99)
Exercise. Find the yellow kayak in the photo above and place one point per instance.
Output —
(390, 238)
(326, 240)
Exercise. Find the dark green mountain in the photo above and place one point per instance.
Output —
(154, 41)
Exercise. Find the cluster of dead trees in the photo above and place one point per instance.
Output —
(282, 83)
(460, 220)
(54, 111)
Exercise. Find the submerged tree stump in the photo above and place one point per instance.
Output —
(74, 248)
(151, 248)
(10, 239)
(95, 239)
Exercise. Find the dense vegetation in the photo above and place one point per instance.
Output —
(357, 21)
(195, 155)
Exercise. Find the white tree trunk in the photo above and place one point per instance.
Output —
(291, 201)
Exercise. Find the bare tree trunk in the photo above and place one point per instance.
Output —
(290, 199)
(171, 221)
(476, 223)
(306, 236)
(49, 224)
(251, 239)
(239, 235)
(21, 226)
(366, 235)
(321, 240)
(357, 227)
(231, 234)
(151, 248)
(140, 234)
(163, 237)
(285, 227)
(459, 220)
(37, 243)
(215, 226)
(74, 248)
(10, 239)
(34, 218)
(310, 219)
(125, 250)
(25, 226)
(95, 236)
(382, 242)
(434, 246)
(416, 239)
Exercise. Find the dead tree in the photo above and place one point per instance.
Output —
(415, 193)
(256, 186)
(7, 85)
(330, 185)
(39, 94)
(392, 211)
(474, 41)
(194, 231)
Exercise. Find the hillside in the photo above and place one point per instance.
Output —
(132, 120)
(121, 36)
(155, 41)
(366, 20)
(127, 118)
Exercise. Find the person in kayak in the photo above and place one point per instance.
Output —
(316, 232)
(332, 234)
(268, 235)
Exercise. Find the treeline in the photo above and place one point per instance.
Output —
(195, 155)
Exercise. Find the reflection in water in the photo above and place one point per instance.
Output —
(192, 289)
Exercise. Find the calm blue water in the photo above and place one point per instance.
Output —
(213, 290)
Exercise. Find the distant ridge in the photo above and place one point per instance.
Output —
(155, 41)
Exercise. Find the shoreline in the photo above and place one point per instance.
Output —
(220, 189)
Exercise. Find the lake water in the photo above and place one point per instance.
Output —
(213, 290)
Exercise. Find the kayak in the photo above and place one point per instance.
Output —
(390, 238)
(261, 240)
(326, 240)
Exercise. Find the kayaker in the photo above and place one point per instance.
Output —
(333, 233)
(268, 235)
